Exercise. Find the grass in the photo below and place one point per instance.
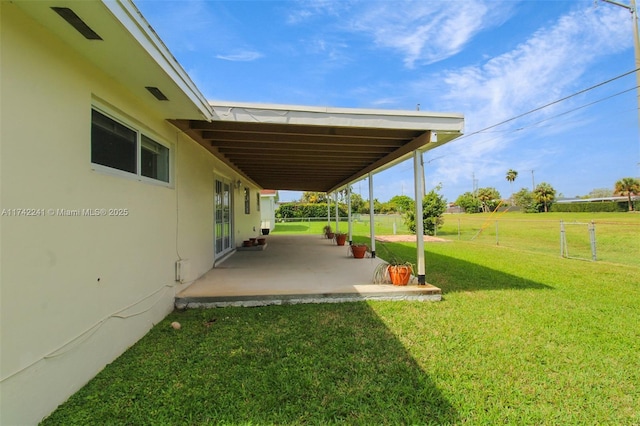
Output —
(617, 238)
(521, 337)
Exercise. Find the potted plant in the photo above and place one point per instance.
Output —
(341, 238)
(328, 232)
(396, 272)
(359, 250)
(400, 274)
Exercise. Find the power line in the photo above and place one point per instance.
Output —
(547, 105)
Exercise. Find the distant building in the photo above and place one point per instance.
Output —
(268, 205)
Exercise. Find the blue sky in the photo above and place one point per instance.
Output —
(490, 60)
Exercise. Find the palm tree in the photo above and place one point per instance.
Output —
(487, 196)
(545, 194)
(511, 176)
(627, 186)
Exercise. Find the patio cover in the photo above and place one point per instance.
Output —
(316, 148)
(274, 146)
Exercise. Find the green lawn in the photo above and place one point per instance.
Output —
(617, 234)
(521, 337)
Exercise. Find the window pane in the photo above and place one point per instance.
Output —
(112, 144)
(154, 160)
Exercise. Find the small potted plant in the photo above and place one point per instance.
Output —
(396, 272)
(400, 273)
(359, 250)
(341, 238)
(328, 232)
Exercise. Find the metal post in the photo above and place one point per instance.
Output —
(328, 209)
(350, 227)
(563, 241)
(631, 7)
(335, 198)
(418, 176)
(592, 238)
(533, 182)
(372, 227)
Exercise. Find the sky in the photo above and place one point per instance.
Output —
(546, 87)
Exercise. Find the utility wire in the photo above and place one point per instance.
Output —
(547, 105)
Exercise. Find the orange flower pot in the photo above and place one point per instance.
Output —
(341, 239)
(358, 250)
(399, 274)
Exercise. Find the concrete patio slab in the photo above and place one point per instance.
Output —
(295, 269)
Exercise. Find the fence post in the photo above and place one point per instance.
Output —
(564, 252)
(592, 238)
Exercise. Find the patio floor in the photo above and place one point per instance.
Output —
(295, 269)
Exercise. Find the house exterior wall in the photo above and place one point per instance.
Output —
(78, 290)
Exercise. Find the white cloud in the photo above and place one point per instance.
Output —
(549, 65)
(241, 56)
(427, 32)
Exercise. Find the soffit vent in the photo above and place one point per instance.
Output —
(157, 93)
(77, 23)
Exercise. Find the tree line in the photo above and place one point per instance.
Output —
(488, 199)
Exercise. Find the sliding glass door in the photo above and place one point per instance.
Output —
(223, 221)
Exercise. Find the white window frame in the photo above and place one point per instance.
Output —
(140, 130)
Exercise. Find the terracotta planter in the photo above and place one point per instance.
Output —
(399, 274)
(341, 239)
(359, 250)
(262, 241)
(247, 243)
(254, 241)
(330, 235)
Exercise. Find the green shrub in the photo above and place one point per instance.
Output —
(307, 210)
(433, 207)
(607, 206)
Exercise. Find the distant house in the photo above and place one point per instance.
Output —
(268, 205)
(122, 184)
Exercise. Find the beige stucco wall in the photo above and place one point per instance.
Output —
(75, 292)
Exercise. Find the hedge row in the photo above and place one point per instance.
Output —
(302, 210)
(608, 206)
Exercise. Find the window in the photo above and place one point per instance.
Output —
(258, 200)
(112, 144)
(118, 146)
(247, 201)
(154, 162)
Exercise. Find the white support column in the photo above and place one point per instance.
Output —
(350, 236)
(335, 198)
(328, 209)
(418, 176)
(372, 227)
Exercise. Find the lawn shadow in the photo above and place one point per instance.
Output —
(297, 364)
(456, 275)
